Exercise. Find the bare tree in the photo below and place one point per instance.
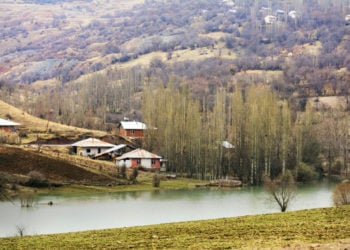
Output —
(20, 230)
(282, 189)
(341, 193)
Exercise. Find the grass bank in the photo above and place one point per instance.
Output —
(143, 184)
(291, 230)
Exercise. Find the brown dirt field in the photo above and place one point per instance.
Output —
(16, 161)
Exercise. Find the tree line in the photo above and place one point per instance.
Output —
(271, 134)
(269, 137)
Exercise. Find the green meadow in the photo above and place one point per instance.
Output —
(280, 230)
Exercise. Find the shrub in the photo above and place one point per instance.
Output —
(134, 174)
(37, 179)
(156, 180)
(306, 173)
(341, 194)
(9, 138)
(336, 168)
(14, 187)
(122, 170)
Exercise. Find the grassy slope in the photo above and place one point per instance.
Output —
(291, 229)
(35, 126)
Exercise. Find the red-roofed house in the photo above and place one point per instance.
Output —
(132, 129)
(139, 158)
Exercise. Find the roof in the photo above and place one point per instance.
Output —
(132, 125)
(228, 145)
(115, 148)
(139, 154)
(6, 123)
(92, 142)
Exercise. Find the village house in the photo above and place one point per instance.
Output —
(132, 129)
(114, 152)
(7, 126)
(90, 147)
(139, 158)
(269, 19)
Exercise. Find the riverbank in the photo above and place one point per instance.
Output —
(144, 183)
(290, 230)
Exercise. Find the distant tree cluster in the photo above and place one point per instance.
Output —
(269, 137)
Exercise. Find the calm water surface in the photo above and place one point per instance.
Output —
(78, 213)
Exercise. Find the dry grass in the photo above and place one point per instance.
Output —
(35, 127)
(335, 102)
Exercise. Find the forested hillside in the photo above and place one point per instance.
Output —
(270, 76)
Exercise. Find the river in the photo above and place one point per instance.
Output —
(100, 211)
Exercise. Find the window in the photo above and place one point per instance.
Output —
(88, 150)
(132, 131)
(153, 161)
(138, 161)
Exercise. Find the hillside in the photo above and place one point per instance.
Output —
(77, 62)
(326, 228)
(16, 163)
(34, 128)
(55, 41)
(198, 71)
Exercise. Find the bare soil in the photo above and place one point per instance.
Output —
(17, 161)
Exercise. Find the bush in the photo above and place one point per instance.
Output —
(14, 187)
(37, 179)
(336, 168)
(9, 138)
(306, 173)
(133, 176)
(123, 171)
(156, 180)
(341, 194)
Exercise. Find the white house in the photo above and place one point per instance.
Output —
(139, 158)
(347, 19)
(269, 19)
(293, 14)
(90, 147)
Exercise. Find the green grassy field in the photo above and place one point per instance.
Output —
(292, 230)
